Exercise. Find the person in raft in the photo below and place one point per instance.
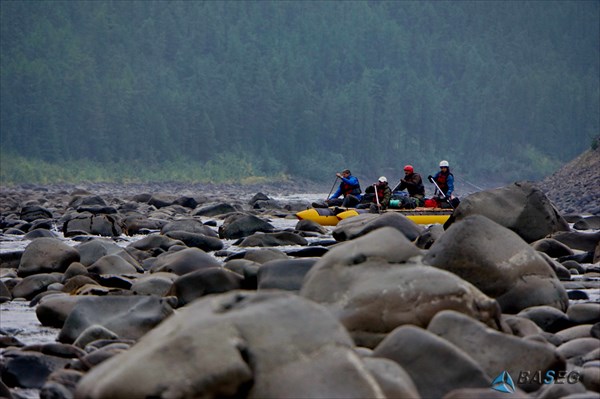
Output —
(413, 183)
(445, 181)
(377, 196)
(349, 190)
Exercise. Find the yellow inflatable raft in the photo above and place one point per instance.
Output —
(327, 216)
(323, 216)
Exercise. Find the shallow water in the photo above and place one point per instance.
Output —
(19, 320)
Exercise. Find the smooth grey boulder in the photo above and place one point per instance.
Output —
(113, 264)
(393, 379)
(583, 241)
(246, 268)
(229, 353)
(101, 225)
(46, 255)
(153, 284)
(185, 261)
(284, 274)
(495, 351)
(213, 280)
(190, 226)
(362, 224)
(30, 213)
(29, 369)
(86, 200)
(5, 294)
(53, 310)
(94, 333)
(197, 240)
(310, 225)
(95, 249)
(579, 331)
(276, 239)
(584, 313)
(215, 210)
(260, 255)
(577, 348)
(154, 243)
(428, 236)
(241, 225)
(522, 326)
(32, 285)
(136, 223)
(129, 317)
(498, 262)
(37, 233)
(552, 247)
(520, 207)
(547, 318)
(376, 283)
(435, 365)
(588, 223)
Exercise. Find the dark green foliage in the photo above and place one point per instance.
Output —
(296, 88)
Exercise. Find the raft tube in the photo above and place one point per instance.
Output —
(323, 216)
(418, 218)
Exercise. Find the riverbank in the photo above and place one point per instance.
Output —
(229, 273)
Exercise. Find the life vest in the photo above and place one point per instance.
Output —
(380, 192)
(442, 182)
(348, 189)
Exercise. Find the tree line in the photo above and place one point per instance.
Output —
(271, 88)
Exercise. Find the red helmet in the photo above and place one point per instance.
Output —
(409, 168)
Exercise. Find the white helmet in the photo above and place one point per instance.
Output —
(444, 163)
(383, 179)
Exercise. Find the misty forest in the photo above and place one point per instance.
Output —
(239, 91)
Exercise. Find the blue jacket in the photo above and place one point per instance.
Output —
(348, 186)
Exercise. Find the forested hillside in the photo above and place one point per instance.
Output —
(227, 90)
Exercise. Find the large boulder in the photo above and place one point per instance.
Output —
(585, 241)
(113, 264)
(102, 225)
(240, 225)
(499, 263)
(34, 212)
(362, 224)
(495, 351)
(276, 239)
(197, 240)
(376, 283)
(29, 369)
(222, 349)
(46, 255)
(92, 250)
(32, 285)
(184, 261)
(129, 317)
(284, 274)
(189, 225)
(136, 223)
(520, 207)
(213, 280)
(435, 365)
(154, 243)
(215, 210)
(153, 284)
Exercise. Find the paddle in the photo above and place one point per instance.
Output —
(332, 187)
(430, 178)
(377, 198)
